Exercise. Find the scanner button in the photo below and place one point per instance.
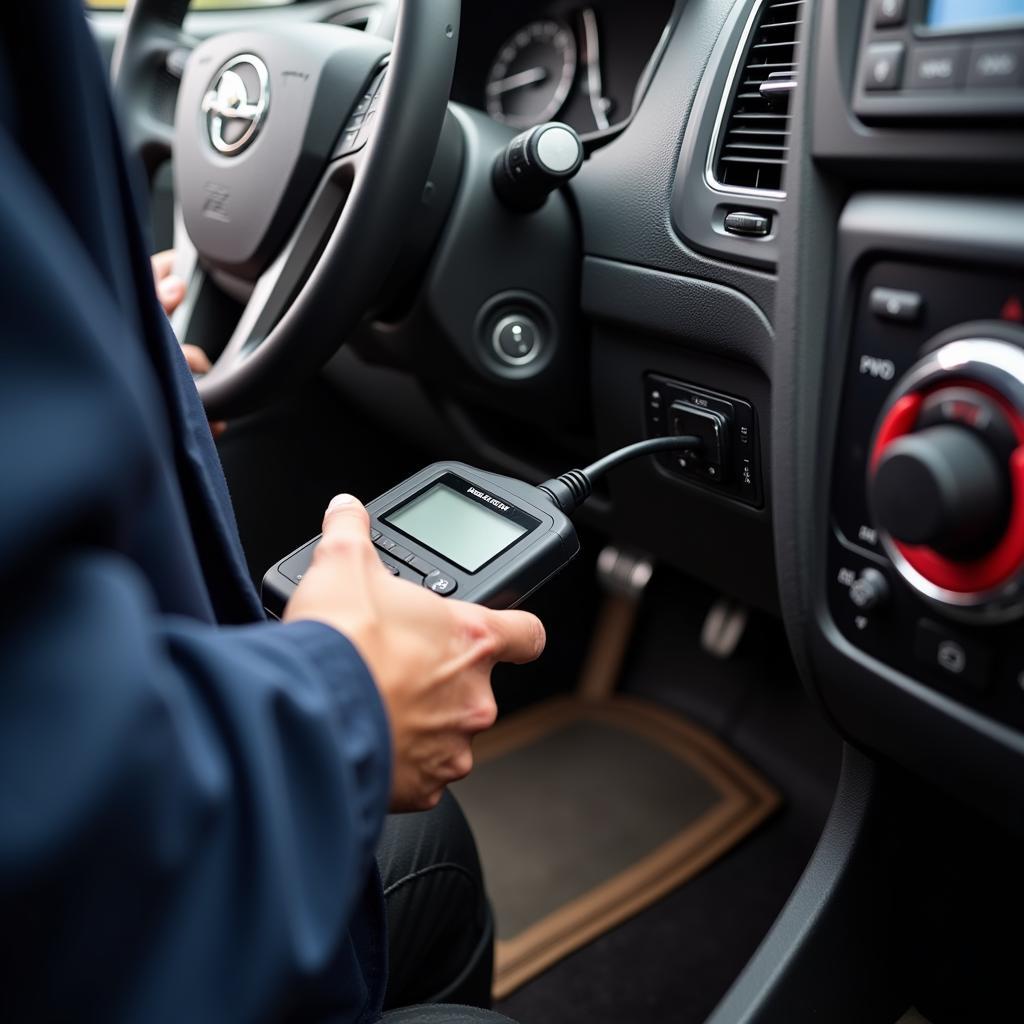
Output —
(441, 583)
(384, 543)
(420, 566)
(399, 553)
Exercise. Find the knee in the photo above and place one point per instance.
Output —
(414, 843)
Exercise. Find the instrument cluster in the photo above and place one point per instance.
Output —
(526, 63)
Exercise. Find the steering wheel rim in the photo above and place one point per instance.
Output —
(311, 283)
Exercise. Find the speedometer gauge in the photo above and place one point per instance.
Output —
(532, 74)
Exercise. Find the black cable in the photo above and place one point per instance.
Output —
(571, 489)
(634, 451)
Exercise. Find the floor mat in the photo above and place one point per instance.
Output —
(586, 813)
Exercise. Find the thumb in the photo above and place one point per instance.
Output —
(346, 517)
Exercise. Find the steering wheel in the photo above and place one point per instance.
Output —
(300, 155)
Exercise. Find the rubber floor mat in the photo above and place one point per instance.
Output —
(586, 813)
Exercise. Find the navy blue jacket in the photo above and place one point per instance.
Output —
(190, 796)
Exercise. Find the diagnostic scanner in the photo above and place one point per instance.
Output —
(466, 533)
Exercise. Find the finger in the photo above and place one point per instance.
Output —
(198, 361)
(520, 636)
(171, 292)
(163, 264)
(346, 518)
(347, 521)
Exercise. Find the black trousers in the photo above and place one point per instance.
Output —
(440, 929)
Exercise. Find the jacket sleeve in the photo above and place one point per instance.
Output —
(188, 813)
(191, 803)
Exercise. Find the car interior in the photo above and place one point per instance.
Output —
(770, 767)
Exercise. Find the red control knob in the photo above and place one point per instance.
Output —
(946, 478)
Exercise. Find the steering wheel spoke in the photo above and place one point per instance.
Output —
(281, 284)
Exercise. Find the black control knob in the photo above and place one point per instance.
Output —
(535, 163)
(943, 488)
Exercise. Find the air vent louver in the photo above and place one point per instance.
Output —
(755, 142)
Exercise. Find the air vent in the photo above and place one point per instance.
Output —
(755, 142)
(363, 19)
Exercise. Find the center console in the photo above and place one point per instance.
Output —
(926, 553)
(898, 501)
(915, 539)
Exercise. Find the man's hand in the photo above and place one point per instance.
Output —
(431, 657)
(170, 290)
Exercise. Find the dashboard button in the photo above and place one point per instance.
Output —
(994, 65)
(516, 340)
(890, 13)
(937, 67)
(869, 590)
(951, 656)
(883, 67)
(899, 306)
(750, 225)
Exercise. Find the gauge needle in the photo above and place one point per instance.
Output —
(531, 76)
(599, 105)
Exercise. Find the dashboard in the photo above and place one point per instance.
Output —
(804, 219)
(812, 219)
(581, 63)
(799, 230)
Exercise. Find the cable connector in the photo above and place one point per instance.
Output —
(571, 489)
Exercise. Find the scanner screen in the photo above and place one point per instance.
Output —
(461, 530)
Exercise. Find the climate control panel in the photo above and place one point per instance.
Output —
(946, 474)
(926, 551)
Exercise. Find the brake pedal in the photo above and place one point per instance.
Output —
(723, 629)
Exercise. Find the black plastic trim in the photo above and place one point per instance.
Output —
(692, 312)
(829, 955)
